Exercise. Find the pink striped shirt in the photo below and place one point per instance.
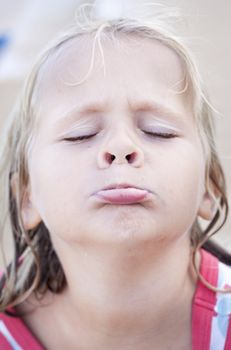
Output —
(211, 315)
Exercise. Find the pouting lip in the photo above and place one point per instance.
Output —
(121, 185)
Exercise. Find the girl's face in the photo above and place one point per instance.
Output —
(137, 114)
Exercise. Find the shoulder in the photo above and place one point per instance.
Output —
(221, 325)
(212, 309)
(14, 334)
(219, 275)
(224, 275)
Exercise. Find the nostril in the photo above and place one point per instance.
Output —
(131, 157)
(109, 157)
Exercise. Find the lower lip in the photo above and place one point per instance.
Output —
(122, 195)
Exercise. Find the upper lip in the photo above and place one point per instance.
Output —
(121, 185)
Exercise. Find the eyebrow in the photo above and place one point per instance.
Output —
(94, 108)
(159, 109)
(79, 111)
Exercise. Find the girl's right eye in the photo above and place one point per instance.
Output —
(78, 138)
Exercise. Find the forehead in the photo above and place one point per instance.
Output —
(82, 66)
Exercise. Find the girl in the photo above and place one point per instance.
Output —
(109, 173)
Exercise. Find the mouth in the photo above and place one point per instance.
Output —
(122, 194)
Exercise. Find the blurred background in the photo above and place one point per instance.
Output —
(26, 26)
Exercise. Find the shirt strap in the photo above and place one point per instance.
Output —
(17, 334)
(204, 303)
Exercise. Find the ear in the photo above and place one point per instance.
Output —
(207, 206)
(29, 213)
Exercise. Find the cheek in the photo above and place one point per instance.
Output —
(58, 184)
(183, 181)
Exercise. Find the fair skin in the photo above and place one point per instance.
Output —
(126, 265)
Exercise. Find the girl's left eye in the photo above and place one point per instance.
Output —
(78, 138)
(162, 134)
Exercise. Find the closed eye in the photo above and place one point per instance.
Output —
(79, 138)
(164, 135)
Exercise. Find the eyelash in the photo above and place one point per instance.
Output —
(163, 135)
(80, 138)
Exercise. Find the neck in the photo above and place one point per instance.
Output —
(116, 297)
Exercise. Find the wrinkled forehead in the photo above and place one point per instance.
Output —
(74, 63)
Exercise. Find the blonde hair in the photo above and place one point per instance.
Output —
(35, 266)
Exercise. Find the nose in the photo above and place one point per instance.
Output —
(120, 148)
